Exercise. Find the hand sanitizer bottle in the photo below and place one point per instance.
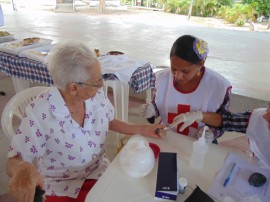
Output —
(199, 151)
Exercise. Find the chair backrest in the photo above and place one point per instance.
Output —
(16, 107)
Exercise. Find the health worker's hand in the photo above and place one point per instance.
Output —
(147, 110)
(187, 119)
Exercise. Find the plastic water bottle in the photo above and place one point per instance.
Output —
(199, 151)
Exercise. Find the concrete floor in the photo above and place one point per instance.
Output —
(242, 57)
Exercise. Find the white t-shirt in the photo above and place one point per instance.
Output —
(66, 153)
(207, 97)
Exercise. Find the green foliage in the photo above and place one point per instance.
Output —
(232, 12)
(151, 3)
(200, 8)
(238, 13)
(241, 21)
(183, 7)
(222, 11)
(205, 8)
(171, 6)
(225, 2)
(126, 2)
(155, 3)
(262, 6)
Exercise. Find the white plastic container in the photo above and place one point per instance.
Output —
(199, 151)
(137, 158)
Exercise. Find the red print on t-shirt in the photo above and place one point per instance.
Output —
(180, 110)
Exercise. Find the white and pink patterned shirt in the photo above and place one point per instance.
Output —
(66, 153)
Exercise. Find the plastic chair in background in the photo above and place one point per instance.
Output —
(16, 107)
(120, 97)
(121, 100)
(149, 96)
(120, 93)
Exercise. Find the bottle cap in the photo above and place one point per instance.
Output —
(182, 185)
(202, 140)
(182, 182)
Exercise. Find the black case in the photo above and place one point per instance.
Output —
(167, 184)
(199, 195)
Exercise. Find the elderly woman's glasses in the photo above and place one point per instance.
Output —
(97, 84)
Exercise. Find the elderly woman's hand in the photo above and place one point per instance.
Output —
(25, 178)
(153, 130)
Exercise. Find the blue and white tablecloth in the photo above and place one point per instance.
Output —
(142, 79)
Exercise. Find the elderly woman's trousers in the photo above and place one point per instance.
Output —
(87, 186)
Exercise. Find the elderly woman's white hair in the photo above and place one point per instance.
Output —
(70, 62)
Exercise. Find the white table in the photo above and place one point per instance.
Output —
(115, 185)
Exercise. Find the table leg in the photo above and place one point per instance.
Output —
(19, 84)
(149, 95)
(125, 101)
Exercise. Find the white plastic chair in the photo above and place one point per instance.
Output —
(121, 100)
(16, 106)
(149, 96)
(120, 97)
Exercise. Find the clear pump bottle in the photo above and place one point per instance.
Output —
(199, 150)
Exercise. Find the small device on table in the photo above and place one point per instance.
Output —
(257, 179)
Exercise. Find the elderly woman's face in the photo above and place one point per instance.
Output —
(183, 70)
(266, 116)
(89, 88)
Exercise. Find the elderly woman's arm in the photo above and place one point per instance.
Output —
(24, 179)
(131, 129)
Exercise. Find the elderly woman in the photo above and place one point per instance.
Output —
(188, 86)
(65, 129)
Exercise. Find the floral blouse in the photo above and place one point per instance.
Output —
(66, 153)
